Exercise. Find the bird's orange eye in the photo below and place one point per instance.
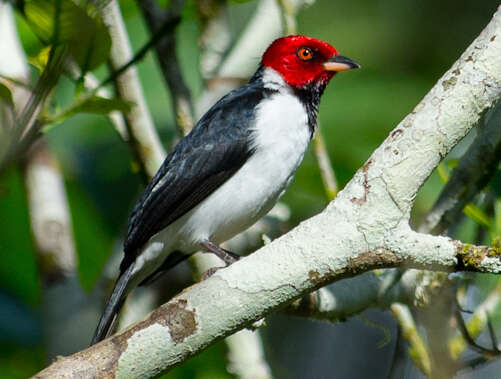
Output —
(305, 53)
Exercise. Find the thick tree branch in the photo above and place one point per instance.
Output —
(365, 227)
(352, 296)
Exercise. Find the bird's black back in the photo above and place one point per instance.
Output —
(210, 154)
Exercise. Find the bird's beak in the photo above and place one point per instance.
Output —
(340, 63)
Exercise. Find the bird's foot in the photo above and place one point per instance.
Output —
(257, 324)
(226, 256)
(207, 274)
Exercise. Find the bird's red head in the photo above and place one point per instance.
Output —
(302, 60)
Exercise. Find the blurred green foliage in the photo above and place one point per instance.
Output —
(5, 94)
(403, 47)
(92, 237)
(18, 268)
(20, 362)
(62, 21)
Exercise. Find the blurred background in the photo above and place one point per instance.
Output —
(403, 47)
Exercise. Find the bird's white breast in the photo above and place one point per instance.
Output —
(280, 139)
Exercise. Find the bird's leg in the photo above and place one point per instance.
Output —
(227, 256)
(236, 257)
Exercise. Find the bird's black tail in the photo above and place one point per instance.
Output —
(115, 302)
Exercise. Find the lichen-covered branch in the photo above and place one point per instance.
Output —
(376, 289)
(365, 227)
(352, 296)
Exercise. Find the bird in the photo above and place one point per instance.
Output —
(230, 169)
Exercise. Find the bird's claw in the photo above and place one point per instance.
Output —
(207, 274)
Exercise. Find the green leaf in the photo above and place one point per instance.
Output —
(496, 183)
(41, 59)
(443, 172)
(496, 230)
(470, 210)
(91, 104)
(452, 163)
(58, 22)
(5, 94)
(477, 215)
(102, 105)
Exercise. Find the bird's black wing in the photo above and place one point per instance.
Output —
(201, 162)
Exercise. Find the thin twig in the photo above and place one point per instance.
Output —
(168, 25)
(417, 348)
(144, 140)
(487, 352)
(492, 334)
(324, 164)
(27, 126)
(290, 9)
(215, 37)
(166, 54)
(476, 323)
